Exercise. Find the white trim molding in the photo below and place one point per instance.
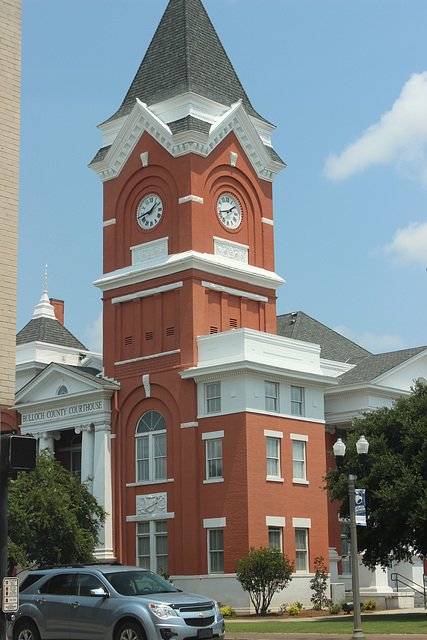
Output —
(273, 434)
(212, 435)
(190, 198)
(274, 521)
(214, 523)
(301, 523)
(108, 223)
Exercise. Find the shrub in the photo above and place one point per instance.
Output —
(263, 572)
(335, 609)
(283, 608)
(369, 605)
(319, 584)
(294, 610)
(228, 612)
(299, 605)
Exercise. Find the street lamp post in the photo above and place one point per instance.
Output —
(362, 447)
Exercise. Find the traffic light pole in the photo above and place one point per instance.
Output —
(4, 481)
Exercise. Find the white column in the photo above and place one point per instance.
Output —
(88, 437)
(102, 488)
(47, 440)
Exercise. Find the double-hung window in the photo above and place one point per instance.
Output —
(213, 444)
(215, 543)
(301, 549)
(273, 439)
(271, 396)
(215, 550)
(152, 545)
(302, 527)
(213, 397)
(297, 401)
(275, 538)
(151, 448)
(299, 457)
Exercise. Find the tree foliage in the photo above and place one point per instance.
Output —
(395, 480)
(52, 517)
(262, 572)
(319, 584)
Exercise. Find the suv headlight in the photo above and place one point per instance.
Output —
(217, 610)
(162, 611)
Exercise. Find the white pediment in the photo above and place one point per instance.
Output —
(142, 119)
(404, 375)
(56, 384)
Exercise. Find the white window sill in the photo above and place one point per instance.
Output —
(144, 483)
(299, 481)
(273, 479)
(213, 480)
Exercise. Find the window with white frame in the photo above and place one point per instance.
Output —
(213, 445)
(301, 549)
(299, 457)
(297, 401)
(275, 538)
(151, 448)
(345, 548)
(152, 545)
(273, 454)
(271, 396)
(215, 550)
(213, 397)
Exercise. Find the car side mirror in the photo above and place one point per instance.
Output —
(99, 592)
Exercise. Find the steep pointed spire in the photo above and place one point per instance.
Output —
(44, 309)
(185, 55)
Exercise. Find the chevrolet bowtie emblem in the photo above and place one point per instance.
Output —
(202, 615)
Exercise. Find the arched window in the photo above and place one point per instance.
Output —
(151, 447)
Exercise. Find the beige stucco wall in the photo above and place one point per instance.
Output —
(10, 70)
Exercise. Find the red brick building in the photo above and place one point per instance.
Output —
(218, 435)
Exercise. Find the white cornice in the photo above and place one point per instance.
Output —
(178, 262)
(123, 135)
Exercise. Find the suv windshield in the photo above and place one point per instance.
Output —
(138, 583)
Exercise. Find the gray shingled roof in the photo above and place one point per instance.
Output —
(333, 345)
(377, 364)
(185, 54)
(50, 331)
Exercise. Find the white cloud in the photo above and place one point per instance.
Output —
(409, 245)
(93, 335)
(400, 137)
(371, 342)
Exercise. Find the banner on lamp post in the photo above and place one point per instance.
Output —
(360, 507)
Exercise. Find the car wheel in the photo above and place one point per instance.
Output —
(26, 631)
(130, 631)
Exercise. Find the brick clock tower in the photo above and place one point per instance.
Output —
(216, 415)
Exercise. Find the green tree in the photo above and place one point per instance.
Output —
(262, 572)
(319, 584)
(52, 517)
(395, 480)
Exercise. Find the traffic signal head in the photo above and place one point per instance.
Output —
(22, 453)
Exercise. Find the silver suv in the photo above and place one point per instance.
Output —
(110, 602)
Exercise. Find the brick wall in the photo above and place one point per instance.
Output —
(10, 65)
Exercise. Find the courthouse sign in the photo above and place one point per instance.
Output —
(62, 412)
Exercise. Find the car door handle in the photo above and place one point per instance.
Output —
(75, 604)
(41, 600)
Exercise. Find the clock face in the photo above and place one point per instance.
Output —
(150, 211)
(229, 211)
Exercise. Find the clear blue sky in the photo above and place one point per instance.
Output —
(344, 81)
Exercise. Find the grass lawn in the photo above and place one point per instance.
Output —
(371, 623)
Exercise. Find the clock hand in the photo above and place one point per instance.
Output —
(147, 212)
